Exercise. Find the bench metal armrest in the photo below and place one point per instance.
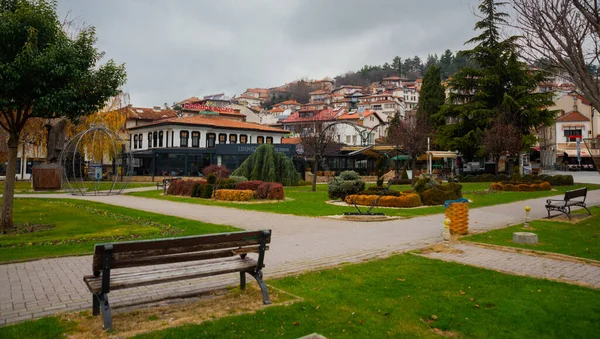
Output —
(549, 201)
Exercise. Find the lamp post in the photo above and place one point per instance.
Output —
(527, 209)
(446, 233)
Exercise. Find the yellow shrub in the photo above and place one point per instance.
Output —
(524, 188)
(234, 195)
(545, 186)
(405, 200)
(496, 186)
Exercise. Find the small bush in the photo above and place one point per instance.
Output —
(218, 170)
(503, 177)
(516, 175)
(249, 185)
(237, 178)
(408, 200)
(234, 195)
(183, 187)
(348, 182)
(496, 186)
(545, 186)
(401, 181)
(520, 187)
(404, 175)
(271, 191)
(524, 188)
(527, 178)
(225, 183)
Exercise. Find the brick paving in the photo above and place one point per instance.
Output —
(523, 264)
(38, 288)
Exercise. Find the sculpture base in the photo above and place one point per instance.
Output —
(46, 177)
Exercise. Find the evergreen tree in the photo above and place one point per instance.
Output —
(267, 165)
(397, 65)
(433, 94)
(500, 88)
(431, 61)
(447, 64)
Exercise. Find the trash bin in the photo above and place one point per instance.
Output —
(458, 213)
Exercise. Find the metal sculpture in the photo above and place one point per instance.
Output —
(96, 162)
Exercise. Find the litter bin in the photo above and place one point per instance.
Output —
(458, 213)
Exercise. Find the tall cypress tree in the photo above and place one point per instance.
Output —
(432, 95)
(500, 88)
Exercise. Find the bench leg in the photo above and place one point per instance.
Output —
(263, 287)
(242, 280)
(105, 308)
(95, 305)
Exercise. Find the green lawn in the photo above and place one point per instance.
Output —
(24, 187)
(404, 296)
(580, 239)
(78, 225)
(308, 203)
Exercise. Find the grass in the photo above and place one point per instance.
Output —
(49, 327)
(78, 225)
(581, 239)
(308, 203)
(25, 187)
(408, 296)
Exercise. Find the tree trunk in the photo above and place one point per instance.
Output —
(497, 160)
(316, 169)
(6, 219)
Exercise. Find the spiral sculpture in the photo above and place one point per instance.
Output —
(96, 162)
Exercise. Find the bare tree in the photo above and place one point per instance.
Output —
(500, 139)
(410, 135)
(317, 137)
(564, 35)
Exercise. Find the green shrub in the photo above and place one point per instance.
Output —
(267, 165)
(348, 182)
(238, 179)
(400, 181)
(467, 178)
(225, 183)
(404, 175)
(527, 178)
(516, 175)
(485, 178)
(503, 177)
(424, 184)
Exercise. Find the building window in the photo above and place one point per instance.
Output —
(135, 141)
(243, 139)
(372, 118)
(260, 140)
(183, 138)
(233, 138)
(195, 139)
(140, 140)
(222, 138)
(354, 139)
(155, 139)
(572, 134)
(149, 139)
(210, 140)
(348, 138)
(269, 140)
(160, 139)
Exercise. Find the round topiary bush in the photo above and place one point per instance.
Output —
(348, 182)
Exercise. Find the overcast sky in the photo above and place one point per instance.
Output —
(182, 48)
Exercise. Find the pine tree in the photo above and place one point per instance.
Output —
(499, 88)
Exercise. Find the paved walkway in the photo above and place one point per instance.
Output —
(523, 264)
(38, 288)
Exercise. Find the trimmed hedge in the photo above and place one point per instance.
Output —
(270, 191)
(249, 185)
(408, 200)
(438, 195)
(234, 195)
(183, 187)
(556, 180)
(520, 187)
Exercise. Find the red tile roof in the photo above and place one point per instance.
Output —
(143, 113)
(291, 141)
(289, 102)
(573, 116)
(319, 91)
(392, 78)
(319, 115)
(277, 110)
(216, 123)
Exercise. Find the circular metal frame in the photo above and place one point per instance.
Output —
(80, 151)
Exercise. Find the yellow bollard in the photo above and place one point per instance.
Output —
(446, 233)
(527, 209)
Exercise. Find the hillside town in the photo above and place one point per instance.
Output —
(299, 169)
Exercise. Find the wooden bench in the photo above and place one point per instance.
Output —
(203, 256)
(570, 200)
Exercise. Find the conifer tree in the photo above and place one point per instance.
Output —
(267, 165)
(433, 94)
(500, 88)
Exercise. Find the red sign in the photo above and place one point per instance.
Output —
(202, 107)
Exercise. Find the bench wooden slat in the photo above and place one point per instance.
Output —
(132, 261)
(167, 275)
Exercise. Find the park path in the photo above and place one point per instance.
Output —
(523, 264)
(38, 288)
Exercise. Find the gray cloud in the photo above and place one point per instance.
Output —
(182, 48)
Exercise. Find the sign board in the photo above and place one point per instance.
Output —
(299, 149)
(95, 172)
(206, 108)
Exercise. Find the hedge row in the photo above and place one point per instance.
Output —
(554, 180)
(234, 195)
(183, 187)
(408, 200)
(439, 194)
(520, 187)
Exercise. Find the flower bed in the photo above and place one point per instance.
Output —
(509, 186)
(234, 195)
(405, 200)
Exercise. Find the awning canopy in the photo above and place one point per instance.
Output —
(401, 157)
(436, 155)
